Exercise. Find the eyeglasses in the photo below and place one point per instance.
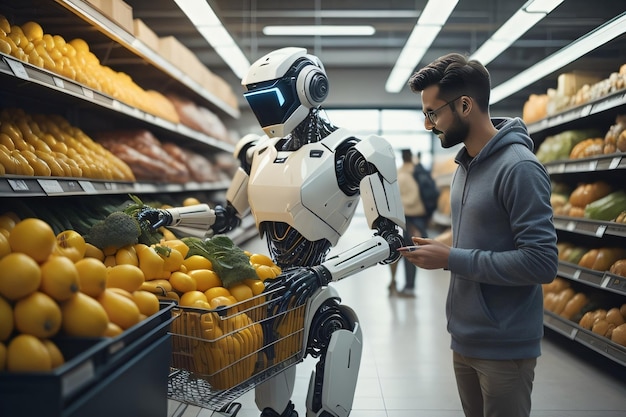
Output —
(432, 115)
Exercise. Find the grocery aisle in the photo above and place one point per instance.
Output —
(406, 366)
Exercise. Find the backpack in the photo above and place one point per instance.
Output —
(428, 189)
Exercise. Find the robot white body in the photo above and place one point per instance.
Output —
(307, 195)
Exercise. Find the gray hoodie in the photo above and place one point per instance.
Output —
(504, 248)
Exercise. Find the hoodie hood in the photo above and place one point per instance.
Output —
(510, 131)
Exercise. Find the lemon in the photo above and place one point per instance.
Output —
(37, 314)
(20, 275)
(59, 278)
(26, 352)
(34, 237)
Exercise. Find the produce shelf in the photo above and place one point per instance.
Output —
(588, 227)
(614, 161)
(585, 337)
(25, 79)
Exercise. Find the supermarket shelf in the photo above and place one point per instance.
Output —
(18, 186)
(589, 339)
(609, 162)
(602, 108)
(590, 277)
(588, 227)
(91, 15)
(17, 76)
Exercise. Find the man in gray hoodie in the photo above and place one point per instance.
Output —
(504, 241)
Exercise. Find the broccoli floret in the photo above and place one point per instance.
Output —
(118, 229)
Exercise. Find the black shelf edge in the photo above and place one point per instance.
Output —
(593, 341)
(17, 186)
(608, 162)
(597, 279)
(589, 227)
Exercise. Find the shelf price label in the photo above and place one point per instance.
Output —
(50, 186)
(18, 185)
(18, 69)
(88, 187)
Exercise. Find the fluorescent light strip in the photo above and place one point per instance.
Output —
(583, 45)
(319, 30)
(522, 20)
(428, 26)
(208, 24)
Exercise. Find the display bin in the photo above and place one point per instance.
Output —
(217, 355)
(91, 364)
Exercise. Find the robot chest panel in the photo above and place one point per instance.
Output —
(300, 188)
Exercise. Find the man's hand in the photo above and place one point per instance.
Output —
(430, 254)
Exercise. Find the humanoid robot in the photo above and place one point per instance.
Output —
(302, 182)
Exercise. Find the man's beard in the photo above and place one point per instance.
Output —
(455, 134)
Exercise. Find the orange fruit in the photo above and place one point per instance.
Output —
(34, 237)
(26, 353)
(7, 222)
(126, 256)
(20, 275)
(216, 292)
(55, 353)
(190, 297)
(71, 244)
(147, 302)
(37, 314)
(264, 272)
(182, 282)
(127, 277)
(113, 330)
(32, 30)
(197, 262)
(3, 356)
(6, 324)
(190, 201)
(221, 301)
(177, 244)
(92, 276)
(93, 252)
(83, 316)
(120, 309)
(205, 279)
(255, 285)
(80, 45)
(240, 291)
(5, 248)
(59, 278)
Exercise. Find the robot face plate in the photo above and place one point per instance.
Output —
(273, 103)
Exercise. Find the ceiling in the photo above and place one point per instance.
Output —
(358, 67)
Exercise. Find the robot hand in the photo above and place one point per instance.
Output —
(154, 217)
(299, 283)
(226, 219)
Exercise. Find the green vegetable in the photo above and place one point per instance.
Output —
(116, 230)
(608, 207)
(229, 261)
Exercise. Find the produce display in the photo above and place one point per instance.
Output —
(73, 59)
(610, 259)
(560, 298)
(596, 201)
(48, 145)
(113, 277)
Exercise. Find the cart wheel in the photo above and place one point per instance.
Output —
(229, 410)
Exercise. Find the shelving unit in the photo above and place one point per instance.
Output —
(601, 114)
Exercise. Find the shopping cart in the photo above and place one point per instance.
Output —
(218, 355)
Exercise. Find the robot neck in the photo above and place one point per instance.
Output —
(312, 129)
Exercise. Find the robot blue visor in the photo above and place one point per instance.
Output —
(274, 103)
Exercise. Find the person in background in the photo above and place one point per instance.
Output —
(504, 240)
(415, 218)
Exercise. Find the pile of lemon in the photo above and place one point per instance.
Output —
(73, 59)
(56, 285)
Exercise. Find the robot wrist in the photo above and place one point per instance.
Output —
(323, 274)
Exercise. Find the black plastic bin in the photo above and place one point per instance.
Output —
(120, 376)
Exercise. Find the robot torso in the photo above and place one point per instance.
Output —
(300, 188)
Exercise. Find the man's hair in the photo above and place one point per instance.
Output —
(455, 75)
(407, 156)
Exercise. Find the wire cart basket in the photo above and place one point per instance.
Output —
(218, 355)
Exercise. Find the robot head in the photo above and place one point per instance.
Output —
(282, 86)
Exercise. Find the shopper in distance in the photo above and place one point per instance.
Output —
(504, 241)
(302, 182)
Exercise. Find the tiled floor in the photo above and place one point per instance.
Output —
(406, 365)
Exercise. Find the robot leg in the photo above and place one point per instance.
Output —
(333, 382)
(273, 396)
